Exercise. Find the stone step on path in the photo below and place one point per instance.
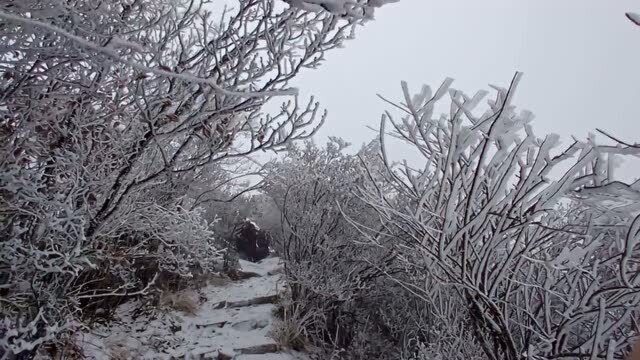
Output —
(233, 322)
(248, 307)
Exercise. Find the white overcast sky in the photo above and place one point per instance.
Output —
(580, 58)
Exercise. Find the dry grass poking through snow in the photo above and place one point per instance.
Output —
(289, 331)
(118, 349)
(185, 301)
(217, 280)
(119, 353)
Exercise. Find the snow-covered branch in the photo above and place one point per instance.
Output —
(521, 230)
(114, 118)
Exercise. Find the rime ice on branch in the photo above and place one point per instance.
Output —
(524, 231)
(117, 121)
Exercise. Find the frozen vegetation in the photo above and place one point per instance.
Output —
(128, 130)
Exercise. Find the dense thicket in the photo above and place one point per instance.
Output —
(495, 241)
(126, 129)
(121, 122)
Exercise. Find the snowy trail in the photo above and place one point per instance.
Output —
(233, 321)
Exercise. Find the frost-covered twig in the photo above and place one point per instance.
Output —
(489, 214)
(110, 52)
(119, 123)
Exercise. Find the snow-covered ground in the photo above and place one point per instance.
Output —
(227, 322)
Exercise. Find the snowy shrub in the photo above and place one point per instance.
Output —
(498, 246)
(172, 241)
(520, 232)
(115, 118)
(335, 282)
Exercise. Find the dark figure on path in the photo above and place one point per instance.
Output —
(251, 243)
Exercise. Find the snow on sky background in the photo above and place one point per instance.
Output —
(580, 60)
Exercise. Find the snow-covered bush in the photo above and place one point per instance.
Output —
(111, 115)
(178, 241)
(519, 232)
(497, 246)
(338, 286)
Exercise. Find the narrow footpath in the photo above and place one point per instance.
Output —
(233, 321)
